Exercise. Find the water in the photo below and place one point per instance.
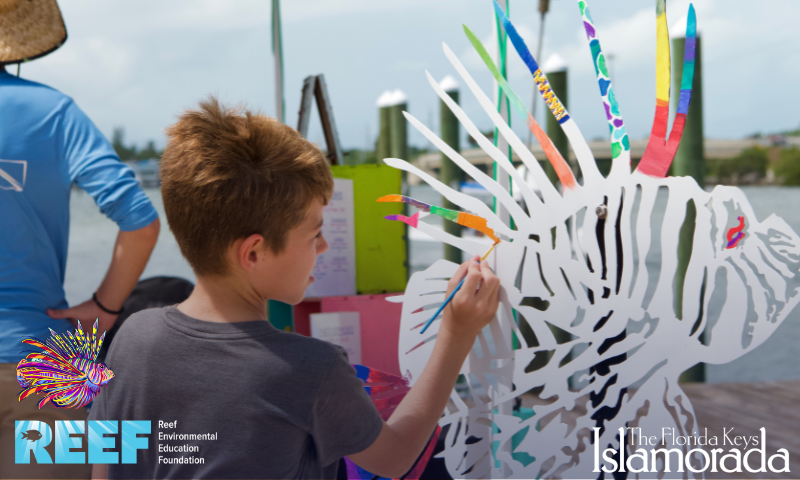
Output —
(92, 239)
(91, 242)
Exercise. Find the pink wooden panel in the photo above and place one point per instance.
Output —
(380, 327)
(301, 313)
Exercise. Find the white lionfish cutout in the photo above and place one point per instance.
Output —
(565, 269)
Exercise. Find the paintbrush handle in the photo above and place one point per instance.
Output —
(458, 287)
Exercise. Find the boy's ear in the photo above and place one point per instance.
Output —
(248, 251)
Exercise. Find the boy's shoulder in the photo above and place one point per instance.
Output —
(144, 324)
(160, 328)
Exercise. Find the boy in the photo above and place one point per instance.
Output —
(244, 195)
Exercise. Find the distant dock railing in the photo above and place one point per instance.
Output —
(714, 149)
(147, 172)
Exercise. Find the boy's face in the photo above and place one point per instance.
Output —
(285, 276)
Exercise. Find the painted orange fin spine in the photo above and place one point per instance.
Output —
(563, 171)
(462, 218)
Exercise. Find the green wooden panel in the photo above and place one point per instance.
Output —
(380, 244)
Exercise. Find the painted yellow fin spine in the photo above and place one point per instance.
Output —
(550, 98)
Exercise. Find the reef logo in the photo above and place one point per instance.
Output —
(74, 442)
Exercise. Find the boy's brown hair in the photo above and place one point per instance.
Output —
(227, 174)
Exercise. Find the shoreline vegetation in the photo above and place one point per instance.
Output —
(776, 163)
(779, 165)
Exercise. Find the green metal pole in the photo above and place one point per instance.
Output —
(449, 173)
(689, 161)
(504, 109)
(556, 71)
(504, 180)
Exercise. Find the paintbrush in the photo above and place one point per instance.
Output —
(452, 294)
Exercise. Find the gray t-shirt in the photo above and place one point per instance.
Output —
(260, 402)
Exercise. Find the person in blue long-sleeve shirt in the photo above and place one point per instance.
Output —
(47, 144)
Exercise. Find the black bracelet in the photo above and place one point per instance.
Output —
(110, 312)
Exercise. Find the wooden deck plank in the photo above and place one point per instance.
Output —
(747, 407)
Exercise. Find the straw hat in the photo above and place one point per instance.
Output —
(29, 29)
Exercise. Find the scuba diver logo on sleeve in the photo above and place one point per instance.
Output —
(12, 174)
(65, 371)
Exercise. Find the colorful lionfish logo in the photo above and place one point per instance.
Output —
(66, 371)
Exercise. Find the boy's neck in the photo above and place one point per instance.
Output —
(224, 300)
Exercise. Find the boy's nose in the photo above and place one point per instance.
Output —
(322, 245)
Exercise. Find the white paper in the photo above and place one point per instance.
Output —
(339, 328)
(335, 271)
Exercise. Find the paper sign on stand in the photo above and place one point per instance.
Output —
(335, 271)
(340, 328)
(380, 328)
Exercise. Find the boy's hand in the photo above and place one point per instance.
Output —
(474, 306)
(408, 429)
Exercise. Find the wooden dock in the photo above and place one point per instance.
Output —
(747, 407)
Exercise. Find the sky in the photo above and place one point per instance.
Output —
(139, 64)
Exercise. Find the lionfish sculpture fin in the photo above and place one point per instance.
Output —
(561, 167)
(582, 151)
(659, 153)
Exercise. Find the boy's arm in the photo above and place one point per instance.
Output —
(99, 472)
(131, 252)
(409, 428)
